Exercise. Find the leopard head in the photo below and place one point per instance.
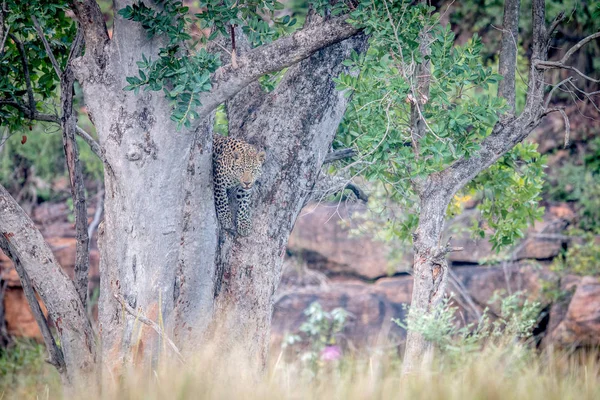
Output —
(247, 164)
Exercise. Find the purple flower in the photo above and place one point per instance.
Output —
(331, 353)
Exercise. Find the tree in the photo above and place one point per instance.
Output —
(162, 252)
(428, 128)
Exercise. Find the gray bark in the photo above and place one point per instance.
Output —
(161, 248)
(26, 246)
(508, 52)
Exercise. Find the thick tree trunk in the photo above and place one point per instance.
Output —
(160, 244)
(296, 124)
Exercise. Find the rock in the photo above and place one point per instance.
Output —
(579, 325)
(322, 240)
(373, 305)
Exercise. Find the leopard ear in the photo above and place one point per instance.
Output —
(237, 155)
(261, 156)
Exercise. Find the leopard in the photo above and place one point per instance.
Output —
(236, 166)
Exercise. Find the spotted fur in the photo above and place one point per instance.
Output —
(236, 164)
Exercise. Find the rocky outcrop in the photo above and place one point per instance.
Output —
(374, 305)
(575, 322)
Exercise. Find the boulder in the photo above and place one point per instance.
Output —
(322, 239)
(576, 322)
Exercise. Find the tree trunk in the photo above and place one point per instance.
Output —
(160, 244)
(430, 269)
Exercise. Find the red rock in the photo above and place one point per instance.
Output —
(580, 325)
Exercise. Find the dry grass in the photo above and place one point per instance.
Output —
(496, 372)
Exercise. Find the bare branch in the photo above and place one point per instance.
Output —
(557, 21)
(549, 96)
(94, 146)
(508, 53)
(578, 46)
(273, 57)
(544, 64)
(140, 316)
(69, 128)
(55, 355)
(25, 66)
(339, 155)
(557, 64)
(567, 123)
(35, 116)
(40, 33)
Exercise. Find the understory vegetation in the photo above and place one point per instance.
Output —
(493, 359)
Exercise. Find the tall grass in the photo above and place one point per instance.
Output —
(504, 369)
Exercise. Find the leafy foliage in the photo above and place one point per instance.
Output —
(460, 111)
(60, 30)
(581, 257)
(181, 70)
(510, 194)
(517, 318)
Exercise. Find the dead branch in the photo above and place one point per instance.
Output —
(140, 316)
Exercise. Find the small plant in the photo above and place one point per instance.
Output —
(517, 318)
(321, 331)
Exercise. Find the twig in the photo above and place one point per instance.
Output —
(94, 146)
(97, 215)
(140, 316)
(55, 355)
(567, 123)
(25, 64)
(557, 20)
(40, 33)
(549, 97)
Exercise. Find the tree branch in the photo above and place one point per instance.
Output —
(25, 65)
(140, 316)
(508, 53)
(69, 128)
(25, 242)
(36, 116)
(40, 33)
(94, 146)
(273, 57)
(339, 155)
(55, 355)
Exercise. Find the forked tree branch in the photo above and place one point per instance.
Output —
(68, 122)
(273, 57)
